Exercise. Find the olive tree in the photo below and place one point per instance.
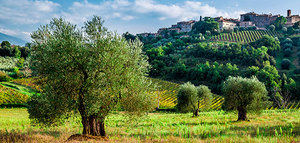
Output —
(244, 94)
(204, 94)
(89, 71)
(189, 98)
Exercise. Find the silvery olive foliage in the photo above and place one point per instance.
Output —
(89, 70)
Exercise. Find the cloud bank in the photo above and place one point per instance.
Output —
(31, 13)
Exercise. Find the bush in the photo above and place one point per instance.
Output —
(244, 94)
(285, 64)
(4, 77)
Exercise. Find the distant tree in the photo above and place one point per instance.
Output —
(28, 45)
(207, 33)
(296, 25)
(290, 30)
(272, 27)
(5, 44)
(25, 52)
(268, 41)
(207, 25)
(129, 36)
(243, 95)
(279, 22)
(285, 64)
(284, 29)
(287, 52)
(284, 94)
(16, 52)
(90, 71)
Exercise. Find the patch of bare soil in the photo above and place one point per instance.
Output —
(79, 137)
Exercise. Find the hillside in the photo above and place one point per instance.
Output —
(13, 40)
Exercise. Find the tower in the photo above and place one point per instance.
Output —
(289, 12)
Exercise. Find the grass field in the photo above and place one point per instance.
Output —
(214, 126)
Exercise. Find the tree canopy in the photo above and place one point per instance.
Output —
(89, 71)
(244, 94)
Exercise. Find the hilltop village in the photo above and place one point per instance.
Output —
(247, 20)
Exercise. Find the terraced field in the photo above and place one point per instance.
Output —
(244, 36)
(167, 91)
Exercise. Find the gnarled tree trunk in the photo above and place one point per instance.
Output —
(92, 125)
(242, 114)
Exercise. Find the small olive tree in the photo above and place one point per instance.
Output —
(244, 94)
(89, 71)
(205, 95)
(190, 96)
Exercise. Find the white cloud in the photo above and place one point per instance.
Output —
(27, 11)
(180, 11)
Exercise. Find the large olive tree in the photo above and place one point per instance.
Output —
(244, 94)
(89, 71)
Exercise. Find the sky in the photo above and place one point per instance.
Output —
(20, 17)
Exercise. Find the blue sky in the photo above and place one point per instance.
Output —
(20, 17)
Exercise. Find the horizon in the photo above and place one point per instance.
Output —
(19, 18)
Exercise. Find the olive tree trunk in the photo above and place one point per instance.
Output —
(242, 114)
(93, 126)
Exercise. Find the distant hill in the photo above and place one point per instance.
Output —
(11, 39)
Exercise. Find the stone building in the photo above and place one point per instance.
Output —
(246, 24)
(185, 26)
(260, 20)
(291, 19)
(147, 34)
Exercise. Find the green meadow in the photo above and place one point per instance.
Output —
(214, 126)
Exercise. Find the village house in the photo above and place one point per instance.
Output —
(185, 26)
(226, 25)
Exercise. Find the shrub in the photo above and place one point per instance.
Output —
(4, 77)
(244, 94)
(285, 64)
